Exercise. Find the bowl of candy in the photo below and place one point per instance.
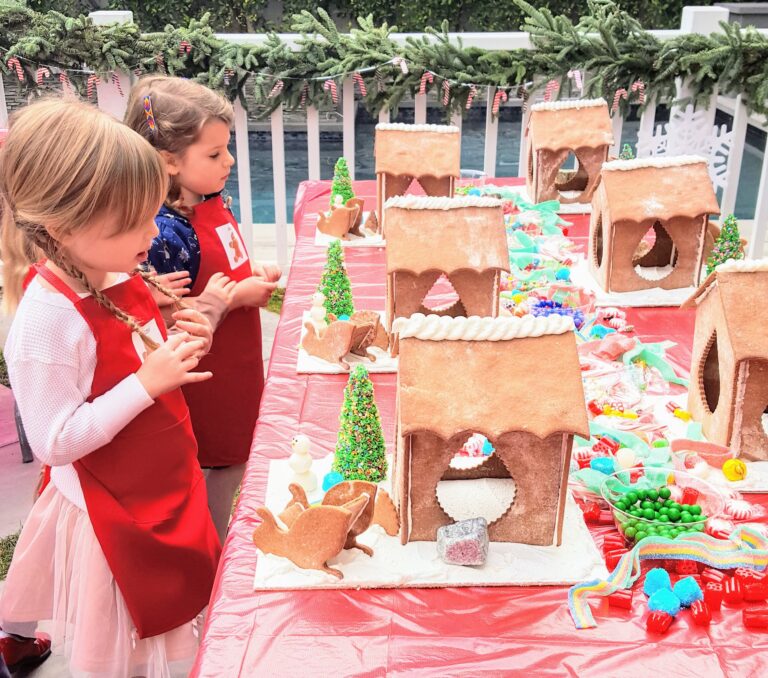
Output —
(660, 503)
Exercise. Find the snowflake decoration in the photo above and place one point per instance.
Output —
(689, 133)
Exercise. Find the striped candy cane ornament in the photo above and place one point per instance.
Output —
(500, 96)
(93, 80)
(552, 88)
(116, 82)
(41, 74)
(639, 87)
(360, 84)
(621, 93)
(425, 78)
(446, 92)
(471, 96)
(275, 91)
(15, 64)
(331, 85)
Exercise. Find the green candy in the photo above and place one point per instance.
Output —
(630, 533)
(686, 517)
(674, 514)
(621, 506)
(642, 495)
(695, 510)
(664, 511)
(631, 497)
(665, 493)
(653, 495)
(647, 505)
(641, 534)
(649, 514)
(663, 518)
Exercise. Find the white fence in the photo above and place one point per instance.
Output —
(702, 20)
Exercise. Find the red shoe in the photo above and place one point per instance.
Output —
(26, 653)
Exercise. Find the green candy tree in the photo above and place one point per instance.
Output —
(342, 184)
(360, 450)
(334, 283)
(626, 153)
(727, 244)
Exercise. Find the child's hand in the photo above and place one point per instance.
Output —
(268, 272)
(197, 326)
(220, 287)
(178, 282)
(169, 365)
(252, 291)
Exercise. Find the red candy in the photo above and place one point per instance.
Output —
(701, 613)
(594, 407)
(612, 558)
(709, 574)
(755, 617)
(591, 511)
(621, 598)
(672, 406)
(605, 518)
(613, 541)
(745, 575)
(713, 596)
(755, 591)
(733, 592)
(686, 567)
(690, 495)
(658, 622)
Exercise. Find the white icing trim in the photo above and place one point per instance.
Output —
(658, 161)
(444, 328)
(566, 104)
(423, 202)
(402, 127)
(743, 266)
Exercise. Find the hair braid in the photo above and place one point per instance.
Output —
(150, 279)
(50, 248)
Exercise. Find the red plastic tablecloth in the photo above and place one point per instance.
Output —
(425, 632)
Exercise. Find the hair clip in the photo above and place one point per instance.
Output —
(148, 112)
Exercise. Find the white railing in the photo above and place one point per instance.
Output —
(702, 20)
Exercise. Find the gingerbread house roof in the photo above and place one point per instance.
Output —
(491, 375)
(572, 124)
(445, 234)
(418, 150)
(657, 188)
(738, 284)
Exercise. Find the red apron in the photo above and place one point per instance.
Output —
(145, 491)
(224, 408)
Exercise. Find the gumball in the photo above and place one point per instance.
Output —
(735, 469)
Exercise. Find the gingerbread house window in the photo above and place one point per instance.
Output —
(430, 155)
(653, 215)
(568, 141)
(463, 239)
(730, 358)
(490, 393)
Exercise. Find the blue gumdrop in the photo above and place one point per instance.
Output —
(666, 601)
(657, 579)
(343, 316)
(475, 191)
(599, 331)
(330, 479)
(603, 464)
(688, 591)
(563, 274)
(487, 448)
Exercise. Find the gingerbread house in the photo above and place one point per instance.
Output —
(649, 223)
(463, 239)
(728, 390)
(559, 130)
(428, 154)
(515, 380)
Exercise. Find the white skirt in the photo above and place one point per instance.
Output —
(59, 575)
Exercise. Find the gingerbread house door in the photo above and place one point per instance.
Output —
(750, 425)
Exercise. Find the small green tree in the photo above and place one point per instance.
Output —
(342, 184)
(334, 283)
(626, 153)
(727, 244)
(360, 450)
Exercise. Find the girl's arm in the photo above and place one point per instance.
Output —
(60, 424)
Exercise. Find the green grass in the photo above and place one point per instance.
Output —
(7, 546)
(4, 372)
(275, 303)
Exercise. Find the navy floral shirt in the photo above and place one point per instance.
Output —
(175, 248)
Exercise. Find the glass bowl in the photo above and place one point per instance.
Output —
(658, 493)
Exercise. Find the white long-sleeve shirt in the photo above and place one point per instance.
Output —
(51, 358)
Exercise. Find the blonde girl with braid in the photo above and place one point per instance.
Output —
(119, 552)
(189, 125)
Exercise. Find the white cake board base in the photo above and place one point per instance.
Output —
(565, 208)
(417, 565)
(373, 240)
(581, 277)
(309, 364)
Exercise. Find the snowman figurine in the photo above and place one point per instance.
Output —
(300, 462)
(317, 312)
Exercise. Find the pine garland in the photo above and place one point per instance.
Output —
(607, 44)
